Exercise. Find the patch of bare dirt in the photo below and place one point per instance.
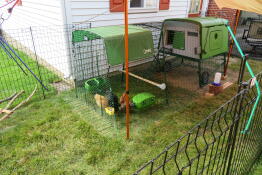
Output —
(61, 86)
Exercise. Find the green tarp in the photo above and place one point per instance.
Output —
(140, 42)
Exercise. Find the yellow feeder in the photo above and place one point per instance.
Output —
(110, 110)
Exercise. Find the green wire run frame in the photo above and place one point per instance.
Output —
(253, 76)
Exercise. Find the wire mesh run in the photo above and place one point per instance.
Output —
(64, 65)
(101, 85)
(184, 73)
(45, 52)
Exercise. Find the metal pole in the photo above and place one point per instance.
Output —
(241, 72)
(126, 69)
(36, 58)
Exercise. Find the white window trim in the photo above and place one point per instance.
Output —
(143, 10)
(199, 8)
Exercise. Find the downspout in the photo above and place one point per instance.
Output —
(204, 8)
(67, 29)
(232, 42)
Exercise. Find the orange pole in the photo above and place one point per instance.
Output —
(126, 69)
(232, 42)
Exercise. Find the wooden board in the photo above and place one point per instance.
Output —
(6, 111)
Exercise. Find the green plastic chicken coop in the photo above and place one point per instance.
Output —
(197, 39)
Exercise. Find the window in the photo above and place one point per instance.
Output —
(195, 7)
(137, 6)
(170, 37)
(136, 3)
(143, 5)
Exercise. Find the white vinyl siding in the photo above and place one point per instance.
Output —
(35, 13)
(45, 20)
(83, 10)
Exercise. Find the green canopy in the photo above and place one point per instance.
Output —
(140, 42)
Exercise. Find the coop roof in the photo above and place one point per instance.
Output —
(140, 41)
(203, 21)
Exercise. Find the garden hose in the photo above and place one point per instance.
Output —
(253, 77)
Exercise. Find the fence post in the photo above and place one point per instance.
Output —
(237, 116)
(242, 72)
(76, 92)
(36, 58)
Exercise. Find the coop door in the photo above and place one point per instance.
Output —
(215, 39)
(179, 40)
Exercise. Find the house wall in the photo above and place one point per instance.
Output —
(37, 26)
(227, 13)
(35, 13)
(98, 12)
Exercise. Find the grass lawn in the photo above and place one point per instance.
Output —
(54, 136)
(258, 170)
(13, 79)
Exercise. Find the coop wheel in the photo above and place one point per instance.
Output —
(204, 78)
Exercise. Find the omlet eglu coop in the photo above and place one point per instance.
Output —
(197, 39)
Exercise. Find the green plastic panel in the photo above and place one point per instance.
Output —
(82, 35)
(179, 40)
(214, 41)
(202, 21)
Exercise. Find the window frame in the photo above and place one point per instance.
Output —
(143, 9)
(196, 14)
